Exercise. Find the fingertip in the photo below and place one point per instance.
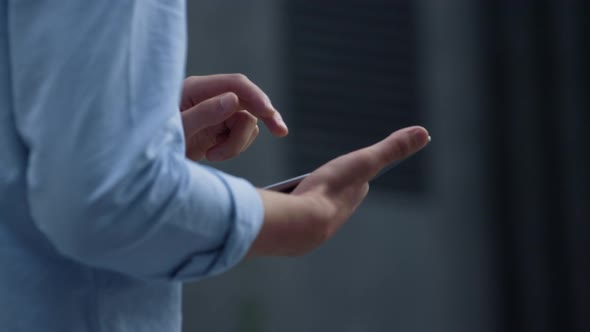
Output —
(279, 119)
(419, 135)
(401, 144)
(229, 102)
(278, 127)
(282, 131)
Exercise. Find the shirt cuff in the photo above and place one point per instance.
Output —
(246, 218)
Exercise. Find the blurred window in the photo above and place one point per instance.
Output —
(353, 80)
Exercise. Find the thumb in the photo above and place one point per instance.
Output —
(209, 112)
(397, 147)
(364, 164)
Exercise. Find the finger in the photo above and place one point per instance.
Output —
(365, 163)
(210, 112)
(400, 145)
(240, 127)
(198, 88)
(253, 136)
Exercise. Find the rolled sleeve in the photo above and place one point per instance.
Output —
(96, 89)
(247, 218)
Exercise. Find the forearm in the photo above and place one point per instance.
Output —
(292, 225)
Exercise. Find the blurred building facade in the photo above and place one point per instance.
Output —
(451, 240)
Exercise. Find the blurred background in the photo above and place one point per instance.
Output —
(488, 229)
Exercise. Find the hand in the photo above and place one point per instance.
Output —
(298, 222)
(220, 115)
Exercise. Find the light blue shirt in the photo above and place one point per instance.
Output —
(101, 215)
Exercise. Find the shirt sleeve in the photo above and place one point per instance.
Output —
(96, 87)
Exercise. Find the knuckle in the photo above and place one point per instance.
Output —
(233, 150)
(239, 77)
(191, 78)
(326, 231)
(401, 148)
(207, 140)
(246, 118)
(251, 119)
(325, 228)
(367, 161)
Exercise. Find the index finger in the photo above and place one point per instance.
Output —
(250, 95)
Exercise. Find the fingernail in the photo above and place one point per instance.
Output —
(429, 138)
(417, 136)
(227, 102)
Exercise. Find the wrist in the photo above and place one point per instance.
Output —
(292, 225)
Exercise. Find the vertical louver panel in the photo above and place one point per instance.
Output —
(353, 80)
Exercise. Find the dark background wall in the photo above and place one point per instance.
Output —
(486, 230)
